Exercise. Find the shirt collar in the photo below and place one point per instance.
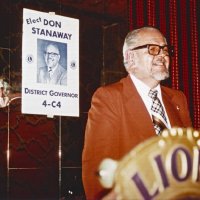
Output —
(52, 69)
(142, 88)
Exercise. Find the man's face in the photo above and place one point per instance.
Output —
(148, 67)
(52, 56)
(1, 91)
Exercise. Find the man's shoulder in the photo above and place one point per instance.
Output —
(172, 92)
(43, 68)
(115, 86)
(61, 68)
(113, 90)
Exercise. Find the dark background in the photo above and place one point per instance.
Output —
(32, 168)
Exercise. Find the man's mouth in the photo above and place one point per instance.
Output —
(159, 64)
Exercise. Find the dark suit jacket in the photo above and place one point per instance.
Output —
(58, 77)
(117, 121)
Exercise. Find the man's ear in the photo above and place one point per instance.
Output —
(129, 57)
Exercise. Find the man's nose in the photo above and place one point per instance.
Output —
(161, 57)
(50, 56)
(163, 52)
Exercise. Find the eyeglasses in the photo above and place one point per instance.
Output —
(154, 49)
(52, 54)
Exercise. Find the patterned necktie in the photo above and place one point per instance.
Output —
(50, 72)
(158, 113)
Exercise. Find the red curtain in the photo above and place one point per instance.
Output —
(178, 20)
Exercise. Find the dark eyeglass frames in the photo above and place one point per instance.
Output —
(51, 54)
(154, 49)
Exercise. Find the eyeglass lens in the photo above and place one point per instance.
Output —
(155, 49)
(51, 54)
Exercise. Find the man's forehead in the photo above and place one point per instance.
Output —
(52, 47)
(151, 39)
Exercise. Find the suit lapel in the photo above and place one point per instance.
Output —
(136, 108)
(171, 108)
(56, 75)
(46, 76)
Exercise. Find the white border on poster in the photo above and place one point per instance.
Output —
(40, 94)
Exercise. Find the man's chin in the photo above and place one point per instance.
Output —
(48, 65)
(161, 76)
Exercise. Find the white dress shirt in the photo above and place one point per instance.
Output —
(143, 91)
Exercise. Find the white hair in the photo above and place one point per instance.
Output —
(131, 40)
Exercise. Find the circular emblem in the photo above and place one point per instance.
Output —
(29, 59)
(73, 64)
(163, 167)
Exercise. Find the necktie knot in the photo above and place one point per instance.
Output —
(50, 69)
(153, 94)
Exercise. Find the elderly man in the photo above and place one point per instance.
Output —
(137, 107)
(53, 72)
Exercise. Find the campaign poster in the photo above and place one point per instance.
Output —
(50, 64)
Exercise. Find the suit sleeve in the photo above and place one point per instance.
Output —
(101, 139)
(185, 114)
